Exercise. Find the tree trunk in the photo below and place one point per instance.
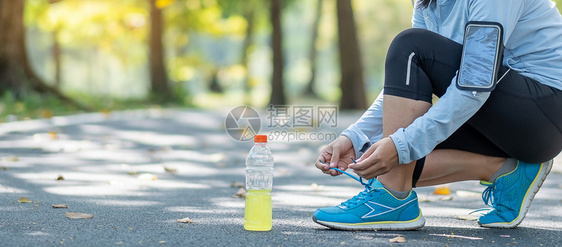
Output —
(248, 40)
(11, 40)
(215, 86)
(16, 74)
(312, 51)
(352, 85)
(277, 88)
(57, 59)
(160, 90)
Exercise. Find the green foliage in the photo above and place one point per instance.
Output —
(33, 106)
(36, 106)
(105, 44)
(112, 26)
(378, 24)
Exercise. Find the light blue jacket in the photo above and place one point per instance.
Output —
(533, 47)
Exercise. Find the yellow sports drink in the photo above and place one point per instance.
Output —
(259, 182)
(257, 215)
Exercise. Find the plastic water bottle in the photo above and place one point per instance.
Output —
(259, 181)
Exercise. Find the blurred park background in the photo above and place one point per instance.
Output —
(67, 56)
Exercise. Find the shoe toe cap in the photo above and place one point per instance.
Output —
(328, 215)
(496, 217)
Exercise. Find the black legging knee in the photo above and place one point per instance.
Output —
(522, 118)
(420, 63)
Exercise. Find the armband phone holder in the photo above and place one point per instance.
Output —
(482, 56)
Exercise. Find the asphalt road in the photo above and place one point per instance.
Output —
(138, 172)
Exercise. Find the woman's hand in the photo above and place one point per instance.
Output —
(379, 159)
(336, 154)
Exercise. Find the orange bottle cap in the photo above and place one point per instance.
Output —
(260, 138)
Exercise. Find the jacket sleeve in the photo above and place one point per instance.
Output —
(368, 129)
(452, 110)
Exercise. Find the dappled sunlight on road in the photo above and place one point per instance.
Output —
(300, 200)
(314, 195)
(155, 139)
(123, 202)
(201, 120)
(8, 189)
(228, 209)
(95, 190)
(105, 157)
(229, 201)
(156, 169)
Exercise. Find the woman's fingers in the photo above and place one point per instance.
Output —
(382, 158)
(336, 155)
(321, 161)
(335, 160)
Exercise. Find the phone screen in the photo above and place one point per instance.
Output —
(479, 58)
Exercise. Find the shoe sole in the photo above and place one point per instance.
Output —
(531, 192)
(415, 224)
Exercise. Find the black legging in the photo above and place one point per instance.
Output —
(521, 119)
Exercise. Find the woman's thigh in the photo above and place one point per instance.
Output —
(523, 118)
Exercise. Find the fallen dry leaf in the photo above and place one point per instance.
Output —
(147, 177)
(456, 236)
(218, 157)
(13, 158)
(106, 112)
(240, 194)
(442, 191)
(424, 198)
(53, 135)
(60, 205)
(170, 169)
(24, 200)
(398, 239)
(186, 220)
(468, 217)
(60, 178)
(161, 149)
(446, 198)
(46, 113)
(235, 184)
(79, 215)
(317, 187)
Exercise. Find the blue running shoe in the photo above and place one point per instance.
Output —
(373, 209)
(511, 194)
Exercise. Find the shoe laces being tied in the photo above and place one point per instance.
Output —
(492, 196)
(362, 196)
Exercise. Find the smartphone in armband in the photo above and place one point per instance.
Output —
(482, 55)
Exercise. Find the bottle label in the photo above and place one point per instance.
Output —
(259, 179)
